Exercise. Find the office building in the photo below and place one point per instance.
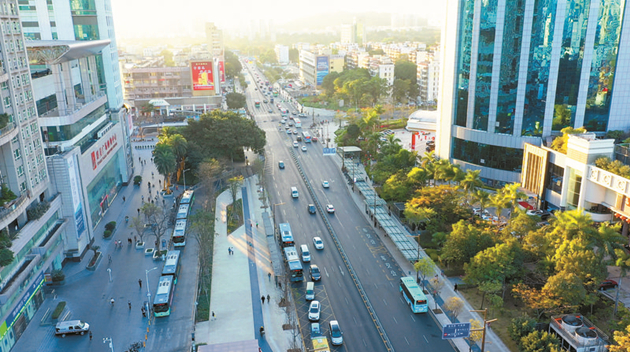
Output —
(30, 215)
(519, 72)
(348, 34)
(314, 67)
(85, 20)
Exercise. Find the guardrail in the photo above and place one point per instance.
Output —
(344, 256)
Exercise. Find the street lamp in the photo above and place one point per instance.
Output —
(184, 172)
(146, 273)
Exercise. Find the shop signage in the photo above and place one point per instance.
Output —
(39, 280)
(99, 155)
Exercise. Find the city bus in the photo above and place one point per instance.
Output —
(275, 93)
(286, 235)
(295, 265)
(306, 136)
(179, 233)
(413, 295)
(171, 265)
(297, 122)
(257, 103)
(188, 197)
(163, 297)
(284, 112)
(182, 212)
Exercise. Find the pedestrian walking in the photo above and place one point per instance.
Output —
(138, 211)
(268, 299)
(229, 251)
(143, 198)
(90, 336)
(123, 199)
(112, 301)
(455, 287)
(129, 240)
(140, 283)
(110, 258)
(129, 303)
(262, 298)
(135, 238)
(214, 317)
(144, 311)
(269, 276)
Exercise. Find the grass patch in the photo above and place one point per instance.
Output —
(234, 215)
(203, 304)
(58, 310)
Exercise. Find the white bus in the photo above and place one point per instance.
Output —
(182, 213)
(298, 122)
(179, 233)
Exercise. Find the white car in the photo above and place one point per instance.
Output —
(295, 144)
(319, 244)
(283, 121)
(303, 148)
(325, 184)
(313, 311)
(330, 209)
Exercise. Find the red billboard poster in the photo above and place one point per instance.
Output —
(222, 71)
(202, 76)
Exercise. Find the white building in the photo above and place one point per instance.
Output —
(386, 71)
(282, 54)
(429, 77)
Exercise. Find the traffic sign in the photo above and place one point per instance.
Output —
(455, 331)
(330, 151)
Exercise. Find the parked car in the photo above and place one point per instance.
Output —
(606, 284)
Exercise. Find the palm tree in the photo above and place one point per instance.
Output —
(499, 202)
(391, 145)
(512, 194)
(572, 224)
(166, 133)
(428, 158)
(471, 182)
(444, 170)
(623, 262)
(431, 169)
(165, 162)
(482, 197)
(608, 240)
(372, 142)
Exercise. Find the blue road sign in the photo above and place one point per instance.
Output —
(455, 331)
(330, 151)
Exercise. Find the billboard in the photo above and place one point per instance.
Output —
(222, 71)
(322, 69)
(202, 75)
(79, 220)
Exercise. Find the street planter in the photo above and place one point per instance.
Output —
(149, 251)
(139, 245)
(94, 262)
(159, 255)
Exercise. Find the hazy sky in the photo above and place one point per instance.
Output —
(150, 16)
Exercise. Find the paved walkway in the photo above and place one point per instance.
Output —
(240, 279)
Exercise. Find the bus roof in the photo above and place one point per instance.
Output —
(295, 265)
(290, 253)
(170, 265)
(413, 287)
(187, 197)
(180, 224)
(163, 290)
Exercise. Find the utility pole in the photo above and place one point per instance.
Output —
(483, 329)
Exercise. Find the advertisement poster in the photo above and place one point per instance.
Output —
(202, 75)
(79, 220)
(322, 69)
(222, 71)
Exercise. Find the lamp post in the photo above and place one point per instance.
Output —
(146, 273)
(184, 172)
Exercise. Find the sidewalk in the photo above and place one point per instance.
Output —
(493, 342)
(240, 279)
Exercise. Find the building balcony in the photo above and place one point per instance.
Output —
(13, 285)
(12, 210)
(8, 133)
(71, 114)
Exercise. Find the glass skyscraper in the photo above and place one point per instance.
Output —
(518, 71)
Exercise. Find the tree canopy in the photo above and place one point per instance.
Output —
(235, 100)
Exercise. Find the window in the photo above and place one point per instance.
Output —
(20, 170)
(573, 191)
(554, 178)
(22, 186)
(16, 154)
(7, 102)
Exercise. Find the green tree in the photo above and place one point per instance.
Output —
(234, 184)
(147, 108)
(375, 88)
(168, 57)
(471, 182)
(232, 64)
(423, 267)
(397, 188)
(235, 100)
(6, 256)
(328, 83)
(400, 90)
(538, 341)
(158, 218)
(294, 55)
(406, 70)
(464, 242)
(622, 338)
(455, 305)
(207, 173)
(165, 162)
(501, 262)
(521, 326)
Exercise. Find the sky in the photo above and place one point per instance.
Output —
(134, 18)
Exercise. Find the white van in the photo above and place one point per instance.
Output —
(306, 255)
(294, 192)
(310, 291)
(71, 327)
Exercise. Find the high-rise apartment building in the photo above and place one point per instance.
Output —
(30, 217)
(282, 54)
(214, 39)
(353, 33)
(519, 71)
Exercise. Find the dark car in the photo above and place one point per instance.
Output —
(606, 284)
(311, 208)
(315, 274)
(281, 164)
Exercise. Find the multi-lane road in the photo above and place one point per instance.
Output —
(375, 268)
